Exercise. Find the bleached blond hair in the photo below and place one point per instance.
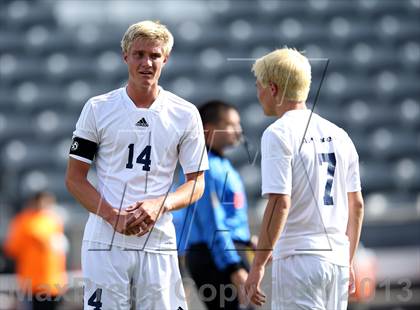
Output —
(288, 69)
(148, 30)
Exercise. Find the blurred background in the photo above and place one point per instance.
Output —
(54, 55)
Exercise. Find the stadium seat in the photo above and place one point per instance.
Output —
(181, 64)
(23, 14)
(63, 68)
(381, 205)
(409, 110)
(375, 176)
(371, 61)
(10, 41)
(14, 126)
(331, 112)
(15, 68)
(21, 154)
(92, 38)
(368, 116)
(407, 173)
(32, 97)
(50, 125)
(252, 116)
(37, 179)
(405, 85)
(231, 10)
(387, 144)
(410, 56)
(7, 99)
(78, 91)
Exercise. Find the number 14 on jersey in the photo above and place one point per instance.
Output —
(143, 158)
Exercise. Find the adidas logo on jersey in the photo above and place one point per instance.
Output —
(142, 123)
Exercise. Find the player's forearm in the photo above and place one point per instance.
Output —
(186, 194)
(354, 225)
(275, 217)
(83, 191)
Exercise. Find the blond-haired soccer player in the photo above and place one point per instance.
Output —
(135, 135)
(310, 175)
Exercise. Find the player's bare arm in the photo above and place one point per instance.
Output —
(144, 214)
(79, 186)
(275, 216)
(354, 227)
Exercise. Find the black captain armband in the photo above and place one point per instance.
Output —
(83, 148)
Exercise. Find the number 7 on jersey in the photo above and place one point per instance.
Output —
(330, 159)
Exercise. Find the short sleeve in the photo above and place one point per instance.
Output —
(276, 164)
(192, 148)
(353, 183)
(86, 130)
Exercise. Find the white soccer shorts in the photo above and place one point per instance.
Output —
(119, 279)
(308, 282)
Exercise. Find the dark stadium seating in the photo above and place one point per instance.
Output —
(48, 70)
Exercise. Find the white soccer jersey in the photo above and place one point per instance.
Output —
(139, 147)
(317, 172)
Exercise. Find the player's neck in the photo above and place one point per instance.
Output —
(142, 97)
(287, 106)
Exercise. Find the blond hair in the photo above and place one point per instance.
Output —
(148, 30)
(288, 69)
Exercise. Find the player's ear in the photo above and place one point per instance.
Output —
(124, 56)
(274, 89)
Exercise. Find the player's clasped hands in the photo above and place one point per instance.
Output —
(142, 216)
(137, 219)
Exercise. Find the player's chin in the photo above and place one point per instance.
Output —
(147, 82)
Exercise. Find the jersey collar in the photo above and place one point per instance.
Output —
(156, 106)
